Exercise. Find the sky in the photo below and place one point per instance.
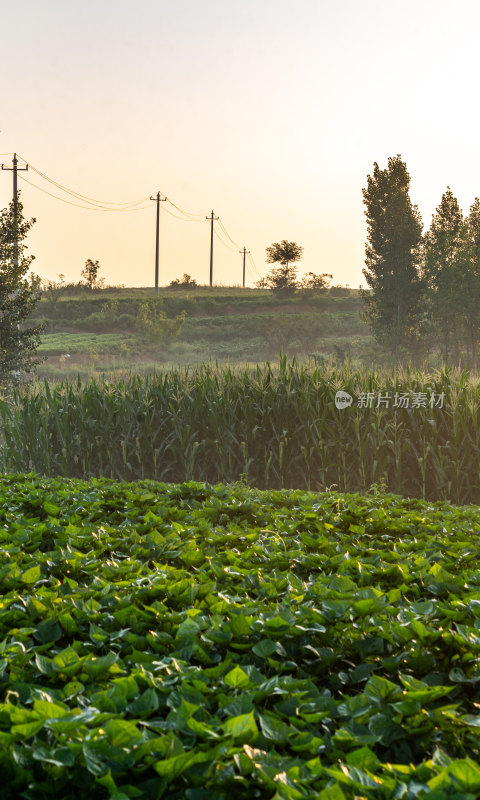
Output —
(271, 113)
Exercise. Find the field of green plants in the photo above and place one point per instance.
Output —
(72, 343)
(272, 427)
(198, 642)
(101, 329)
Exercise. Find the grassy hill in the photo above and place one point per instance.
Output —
(98, 331)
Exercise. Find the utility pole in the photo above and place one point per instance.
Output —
(15, 168)
(244, 251)
(157, 239)
(211, 218)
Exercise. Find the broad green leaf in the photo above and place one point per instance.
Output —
(73, 721)
(201, 729)
(48, 631)
(97, 665)
(380, 689)
(188, 628)
(465, 774)
(264, 648)
(31, 575)
(243, 726)
(363, 758)
(26, 730)
(145, 705)
(67, 661)
(59, 757)
(237, 678)
(48, 710)
(331, 793)
(172, 768)
(122, 733)
(274, 729)
(240, 625)
(101, 756)
(52, 509)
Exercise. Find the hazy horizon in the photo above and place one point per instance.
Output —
(269, 114)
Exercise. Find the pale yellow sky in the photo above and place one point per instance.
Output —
(269, 112)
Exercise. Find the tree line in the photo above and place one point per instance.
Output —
(424, 287)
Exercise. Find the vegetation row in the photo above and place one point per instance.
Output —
(418, 434)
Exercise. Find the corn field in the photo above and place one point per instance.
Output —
(273, 427)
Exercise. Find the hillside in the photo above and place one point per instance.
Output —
(96, 331)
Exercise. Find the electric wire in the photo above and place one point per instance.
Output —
(78, 205)
(80, 196)
(249, 271)
(225, 244)
(95, 203)
(182, 219)
(253, 264)
(106, 205)
(187, 213)
(227, 234)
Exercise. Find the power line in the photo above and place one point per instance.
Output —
(187, 213)
(99, 203)
(70, 203)
(225, 244)
(237, 246)
(182, 219)
(88, 203)
(254, 265)
(84, 197)
(252, 276)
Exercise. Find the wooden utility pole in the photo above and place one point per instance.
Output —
(211, 218)
(15, 168)
(157, 238)
(244, 251)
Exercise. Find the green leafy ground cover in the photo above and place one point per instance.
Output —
(183, 641)
(59, 343)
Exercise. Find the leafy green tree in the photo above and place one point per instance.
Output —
(392, 255)
(472, 294)
(284, 277)
(154, 323)
(445, 272)
(18, 296)
(90, 273)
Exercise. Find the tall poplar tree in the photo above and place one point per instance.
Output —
(445, 269)
(392, 255)
(472, 281)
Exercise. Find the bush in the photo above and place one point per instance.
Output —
(187, 282)
(155, 324)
